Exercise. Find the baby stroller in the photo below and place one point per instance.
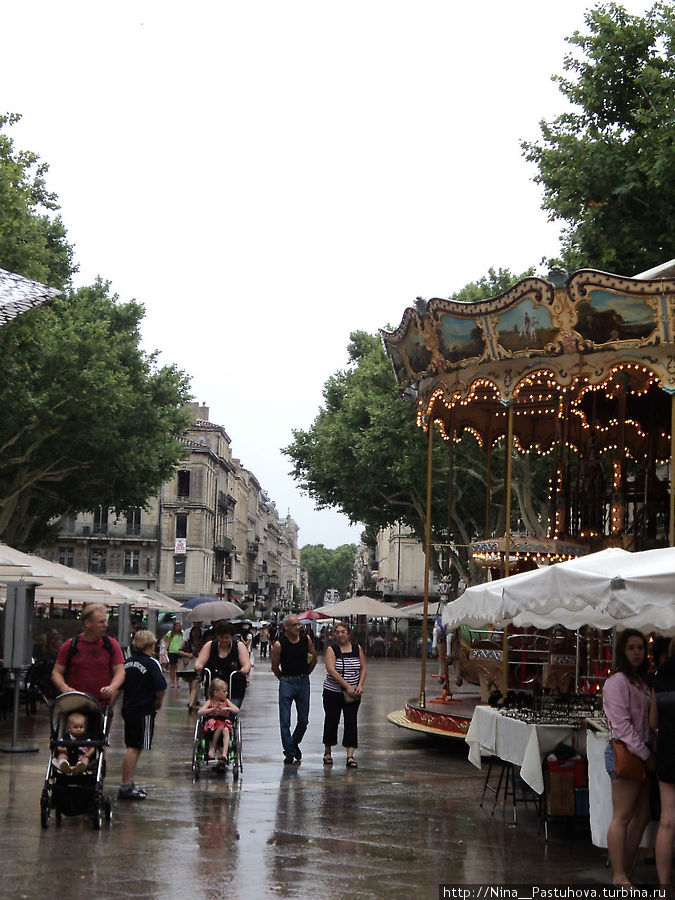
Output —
(76, 795)
(202, 740)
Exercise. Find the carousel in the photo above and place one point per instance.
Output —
(580, 370)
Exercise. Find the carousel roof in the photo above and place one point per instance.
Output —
(584, 358)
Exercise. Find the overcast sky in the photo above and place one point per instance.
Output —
(266, 177)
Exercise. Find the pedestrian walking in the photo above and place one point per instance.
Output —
(91, 661)
(293, 659)
(342, 691)
(144, 689)
(264, 641)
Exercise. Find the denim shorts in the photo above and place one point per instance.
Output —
(610, 763)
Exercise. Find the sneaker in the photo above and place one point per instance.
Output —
(288, 760)
(79, 768)
(131, 792)
(63, 767)
(298, 754)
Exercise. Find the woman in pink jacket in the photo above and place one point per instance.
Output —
(625, 699)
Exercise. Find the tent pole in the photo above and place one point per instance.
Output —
(488, 479)
(427, 556)
(507, 543)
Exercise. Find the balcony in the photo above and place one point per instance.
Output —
(226, 501)
(252, 548)
(223, 545)
(118, 530)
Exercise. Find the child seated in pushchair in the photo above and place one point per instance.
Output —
(218, 711)
(72, 759)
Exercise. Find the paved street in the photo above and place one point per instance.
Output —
(407, 820)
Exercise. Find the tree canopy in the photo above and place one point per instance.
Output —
(607, 165)
(89, 419)
(32, 236)
(328, 569)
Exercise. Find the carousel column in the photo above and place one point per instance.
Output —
(427, 557)
(507, 541)
(618, 522)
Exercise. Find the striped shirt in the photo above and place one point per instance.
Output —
(348, 665)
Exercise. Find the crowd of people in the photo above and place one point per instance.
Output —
(93, 663)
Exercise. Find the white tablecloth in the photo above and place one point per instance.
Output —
(492, 734)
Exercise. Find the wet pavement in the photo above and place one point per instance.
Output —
(407, 820)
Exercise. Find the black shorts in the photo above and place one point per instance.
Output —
(173, 659)
(138, 732)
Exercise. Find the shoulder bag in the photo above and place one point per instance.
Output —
(627, 764)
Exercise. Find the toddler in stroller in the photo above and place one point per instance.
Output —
(74, 757)
(218, 721)
(74, 781)
(217, 713)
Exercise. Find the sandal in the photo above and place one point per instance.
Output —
(327, 759)
(351, 763)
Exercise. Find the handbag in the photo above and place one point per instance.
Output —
(348, 698)
(627, 764)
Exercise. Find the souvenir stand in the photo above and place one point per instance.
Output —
(580, 369)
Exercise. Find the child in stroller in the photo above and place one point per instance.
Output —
(78, 789)
(74, 757)
(218, 719)
(217, 712)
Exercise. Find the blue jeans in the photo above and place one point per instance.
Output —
(294, 688)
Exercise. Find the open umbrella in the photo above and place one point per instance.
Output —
(310, 614)
(212, 611)
(196, 601)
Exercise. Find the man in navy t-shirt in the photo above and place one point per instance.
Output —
(144, 687)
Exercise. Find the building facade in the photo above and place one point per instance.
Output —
(212, 531)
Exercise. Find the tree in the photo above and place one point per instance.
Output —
(608, 164)
(32, 236)
(328, 569)
(88, 417)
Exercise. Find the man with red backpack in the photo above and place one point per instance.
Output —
(91, 661)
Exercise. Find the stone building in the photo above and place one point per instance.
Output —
(400, 566)
(212, 531)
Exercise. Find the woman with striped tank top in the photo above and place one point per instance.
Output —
(342, 690)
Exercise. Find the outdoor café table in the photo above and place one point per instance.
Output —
(512, 740)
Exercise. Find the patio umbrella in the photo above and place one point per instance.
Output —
(362, 606)
(212, 610)
(195, 601)
(310, 615)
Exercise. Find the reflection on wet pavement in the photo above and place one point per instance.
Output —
(404, 822)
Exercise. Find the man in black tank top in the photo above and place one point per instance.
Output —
(293, 657)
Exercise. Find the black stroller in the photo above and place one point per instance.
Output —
(77, 794)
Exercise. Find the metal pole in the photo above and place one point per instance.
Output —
(427, 555)
(507, 543)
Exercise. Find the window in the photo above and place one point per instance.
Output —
(134, 521)
(97, 562)
(179, 570)
(131, 560)
(181, 526)
(183, 483)
(67, 556)
(101, 520)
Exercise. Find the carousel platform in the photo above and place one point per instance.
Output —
(449, 719)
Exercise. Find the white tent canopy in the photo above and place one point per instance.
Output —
(65, 583)
(362, 606)
(612, 588)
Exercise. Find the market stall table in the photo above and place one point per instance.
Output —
(522, 743)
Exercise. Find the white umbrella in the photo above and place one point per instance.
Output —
(362, 606)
